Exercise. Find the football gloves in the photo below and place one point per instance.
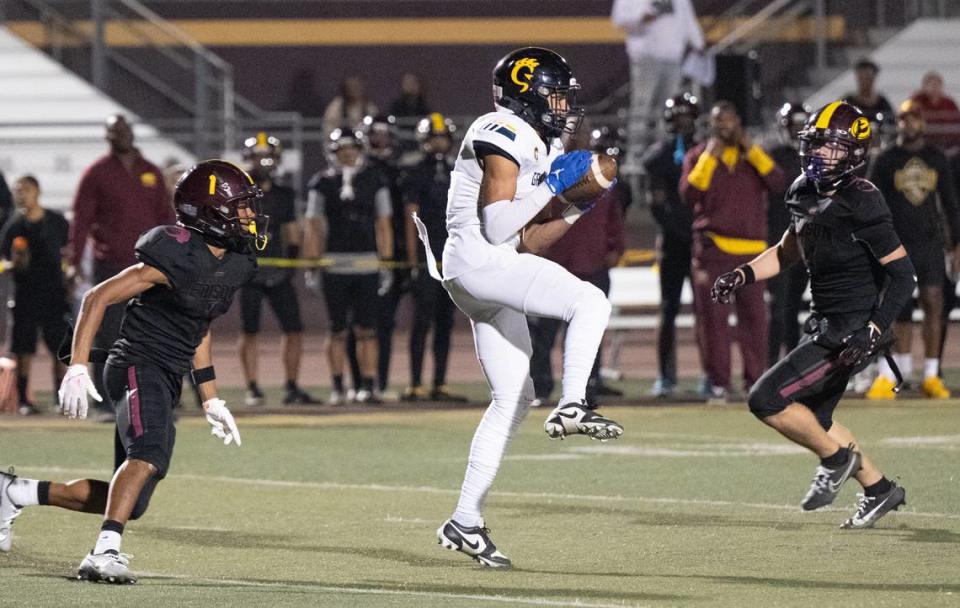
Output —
(221, 421)
(726, 286)
(860, 345)
(567, 169)
(74, 389)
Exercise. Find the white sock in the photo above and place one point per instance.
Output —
(587, 322)
(107, 541)
(905, 363)
(931, 367)
(23, 492)
(883, 368)
(486, 453)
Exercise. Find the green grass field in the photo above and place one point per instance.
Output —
(694, 506)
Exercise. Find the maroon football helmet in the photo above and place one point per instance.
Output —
(209, 198)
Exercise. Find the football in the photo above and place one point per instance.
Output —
(602, 173)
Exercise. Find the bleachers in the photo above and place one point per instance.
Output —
(926, 44)
(51, 122)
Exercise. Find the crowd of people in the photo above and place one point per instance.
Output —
(714, 193)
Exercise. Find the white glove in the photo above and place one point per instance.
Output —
(221, 420)
(74, 388)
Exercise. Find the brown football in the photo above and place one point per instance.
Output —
(602, 173)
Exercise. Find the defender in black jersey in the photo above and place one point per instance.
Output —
(860, 278)
(186, 276)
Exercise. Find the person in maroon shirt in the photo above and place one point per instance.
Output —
(939, 111)
(120, 196)
(588, 250)
(726, 182)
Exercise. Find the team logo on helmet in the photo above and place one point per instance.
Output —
(528, 63)
(861, 128)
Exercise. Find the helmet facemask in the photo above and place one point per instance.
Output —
(828, 159)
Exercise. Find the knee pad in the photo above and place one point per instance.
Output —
(765, 400)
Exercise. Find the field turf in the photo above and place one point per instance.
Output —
(694, 506)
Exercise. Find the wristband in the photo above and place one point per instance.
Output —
(748, 276)
(204, 374)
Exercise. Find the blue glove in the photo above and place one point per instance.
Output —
(567, 169)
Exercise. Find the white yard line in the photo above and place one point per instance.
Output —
(529, 601)
(372, 487)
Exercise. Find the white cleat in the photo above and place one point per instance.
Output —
(578, 419)
(109, 567)
(8, 511)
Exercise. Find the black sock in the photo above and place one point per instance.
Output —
(111, 525)
(291, 385)
(43, 492)
(22, 389)
(839, 458)
(881, 487)
(366, 384)
(252, 385)
(338, 382)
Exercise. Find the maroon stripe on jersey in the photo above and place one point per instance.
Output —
(133, 401)
(808, 379)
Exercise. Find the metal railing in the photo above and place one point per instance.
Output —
(185, 80)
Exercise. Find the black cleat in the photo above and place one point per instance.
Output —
(474, 542)
(872, 508)
(580, 418)
(442, 393)
(827, 482)
(297, 396)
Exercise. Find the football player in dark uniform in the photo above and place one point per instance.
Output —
(262, 154)
(860, 277)
(186, 277)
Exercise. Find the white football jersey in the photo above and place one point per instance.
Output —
(466, 247)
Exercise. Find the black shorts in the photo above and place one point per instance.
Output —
(351, 299)
(928, 262)
(29, 317)
(283, 301)
(143, 397)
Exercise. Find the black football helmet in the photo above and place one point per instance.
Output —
(834, 144)
(345, 136)
(380, 132)
(538, 86)
(209, 198)
(792, 117)
(685, 104)
(262, 153)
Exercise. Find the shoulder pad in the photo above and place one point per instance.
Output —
(800, 193)
(168, 249)
(865, 202)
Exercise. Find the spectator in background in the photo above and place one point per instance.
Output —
(349, 106)
(870, 102)
(262, 156)
(589, 249)
(349, 211)
(425, 193)
(382, 152)
(660, 33)
(411, 102)
(939, 111)
(33, 240)
(663, 163)
(6, 201)
(726, 182)
(912, 176)
(120, 196)
(786, 289)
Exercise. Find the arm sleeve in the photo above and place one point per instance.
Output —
(769, 172)
(700, 174)
(383, 203)
(316, 204)
(167, 248)
(503, 219)
(948, 200)
(84, 210)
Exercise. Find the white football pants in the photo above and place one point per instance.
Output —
(497, 299)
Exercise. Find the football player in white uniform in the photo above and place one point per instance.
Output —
(510, 166)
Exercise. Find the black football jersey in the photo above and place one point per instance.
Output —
(164, 325)
(842, 237)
